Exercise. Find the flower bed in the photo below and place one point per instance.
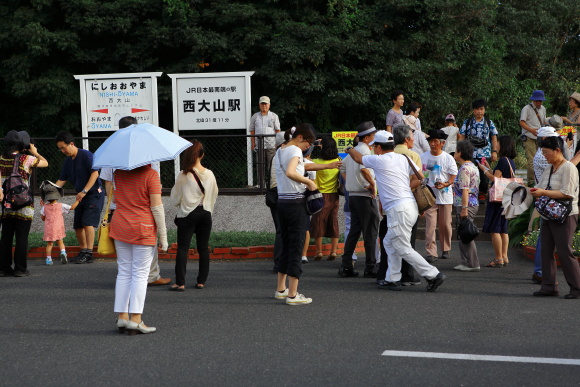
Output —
(530, 240)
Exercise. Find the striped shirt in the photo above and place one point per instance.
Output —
(133, 221)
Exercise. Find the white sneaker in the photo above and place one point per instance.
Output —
(281, 295)
(304, 259)
(48, 261)
(298, 300)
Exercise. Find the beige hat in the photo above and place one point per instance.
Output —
(516, 199)
(556, 122)
(576, 97)
(264, 99)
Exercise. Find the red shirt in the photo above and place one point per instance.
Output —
(133, 221)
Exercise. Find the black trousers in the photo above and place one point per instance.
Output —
(278, 240)
(483, 180)
(364, 218)
(198, 222)
(19, 229)
(292, 224)
(407, 273)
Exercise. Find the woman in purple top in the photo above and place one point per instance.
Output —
(395, 115)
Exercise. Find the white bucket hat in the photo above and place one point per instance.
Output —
(516, 199)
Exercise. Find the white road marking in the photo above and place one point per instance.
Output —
(467, 356)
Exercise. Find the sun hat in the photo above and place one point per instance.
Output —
(383, 136)
(365, 129)
(576, 97)
(280, 138)
(50, 191)
(13, 138)
(25, 138)
(264, 99)
(538, 95)
(450, 117)
(516, 199)
(547, 131)
(437, 133)
(556, 122)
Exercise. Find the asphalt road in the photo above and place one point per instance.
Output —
(57, 328)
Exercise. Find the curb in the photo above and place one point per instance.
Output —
(250, 252)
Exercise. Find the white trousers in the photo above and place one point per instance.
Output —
(133, 262)
(397, 242)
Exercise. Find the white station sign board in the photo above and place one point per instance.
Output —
(211, 101)
(105, 98)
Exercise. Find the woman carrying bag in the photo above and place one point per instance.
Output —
(559, 182)
(194, 193)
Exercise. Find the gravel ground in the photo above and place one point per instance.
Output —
(231, 213)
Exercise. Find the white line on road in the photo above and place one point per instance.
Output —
(467, 356)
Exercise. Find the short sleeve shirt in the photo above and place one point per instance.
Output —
(327, 179)
(565, 180)
(394, 118)
(392, 172)
(482, 130)
(355, 181)
(528, 115)
(133, 221)
(451, 143)
(285, 184)
(467, 178)
(266, 124)
(78, 171)
(447, 167)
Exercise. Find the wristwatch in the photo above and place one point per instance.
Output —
(84, 191)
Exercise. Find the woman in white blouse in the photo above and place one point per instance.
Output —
(292, 213)
(194, 194)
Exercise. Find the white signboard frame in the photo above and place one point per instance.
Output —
(213, 101)
(107, 97)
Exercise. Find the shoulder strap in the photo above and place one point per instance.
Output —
(550, 177)
(16, 164)
(537, 114)
(198, 182)
(413, 167)
(511, 169)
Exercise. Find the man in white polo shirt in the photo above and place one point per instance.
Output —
(392, 171)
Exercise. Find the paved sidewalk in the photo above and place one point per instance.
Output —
(57, 328)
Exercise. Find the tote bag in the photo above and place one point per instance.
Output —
(499, 184)
(106, 245)
(423, 193)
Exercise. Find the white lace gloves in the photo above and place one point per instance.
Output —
(159, 215)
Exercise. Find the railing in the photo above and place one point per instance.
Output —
(225, 155)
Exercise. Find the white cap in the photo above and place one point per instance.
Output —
(382, 136)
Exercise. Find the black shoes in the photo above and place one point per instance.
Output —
(430, 259)
(370, 274)
(433, 284)
(396, 286)
(18, 273)
(445, 255)
(536, 279)
(571, 296)
(7, 273)
(346, 272)
(84, 257)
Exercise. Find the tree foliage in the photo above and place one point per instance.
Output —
(331, 63)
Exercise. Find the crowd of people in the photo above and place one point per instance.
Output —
(378, 178)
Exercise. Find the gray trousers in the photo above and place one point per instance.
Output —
(468, 252)
(364, 218)
(558, 236)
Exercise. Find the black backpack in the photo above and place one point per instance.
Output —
(478, 142)
(16, 192)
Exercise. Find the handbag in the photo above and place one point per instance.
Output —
(423, 193)
(314, 201)
(467, 230)
(271, 192)
(106, 245)
(553, 209)
(499, 184)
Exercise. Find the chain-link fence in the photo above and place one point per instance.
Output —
(225, 155)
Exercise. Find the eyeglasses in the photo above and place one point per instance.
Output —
(546, 151)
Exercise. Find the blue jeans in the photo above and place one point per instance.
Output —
(538, 256)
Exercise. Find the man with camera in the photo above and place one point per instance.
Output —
(482, 133)
(532, 118)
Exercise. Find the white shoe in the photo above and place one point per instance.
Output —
(298, 300)
(304, 259)
(133, 328)
(465, 268)
(48, 261)
(281, 295)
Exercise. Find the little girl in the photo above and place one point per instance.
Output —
(52, 214)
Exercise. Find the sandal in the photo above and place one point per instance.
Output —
(177, 288)
(506, 262)
(331, 257)
(495, 263)
(318, 256)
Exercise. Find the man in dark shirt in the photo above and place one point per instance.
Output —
(78, 169)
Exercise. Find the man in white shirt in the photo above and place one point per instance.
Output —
(364, 211)
(265, 122)
(442, 169)
(392, 171)
(532, 118)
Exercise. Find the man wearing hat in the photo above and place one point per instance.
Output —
(442, 170)
(262, 123)
(364, 211)
(532, 118)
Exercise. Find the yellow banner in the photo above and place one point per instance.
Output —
(343, 139)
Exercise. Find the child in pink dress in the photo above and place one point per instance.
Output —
(52, 214)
